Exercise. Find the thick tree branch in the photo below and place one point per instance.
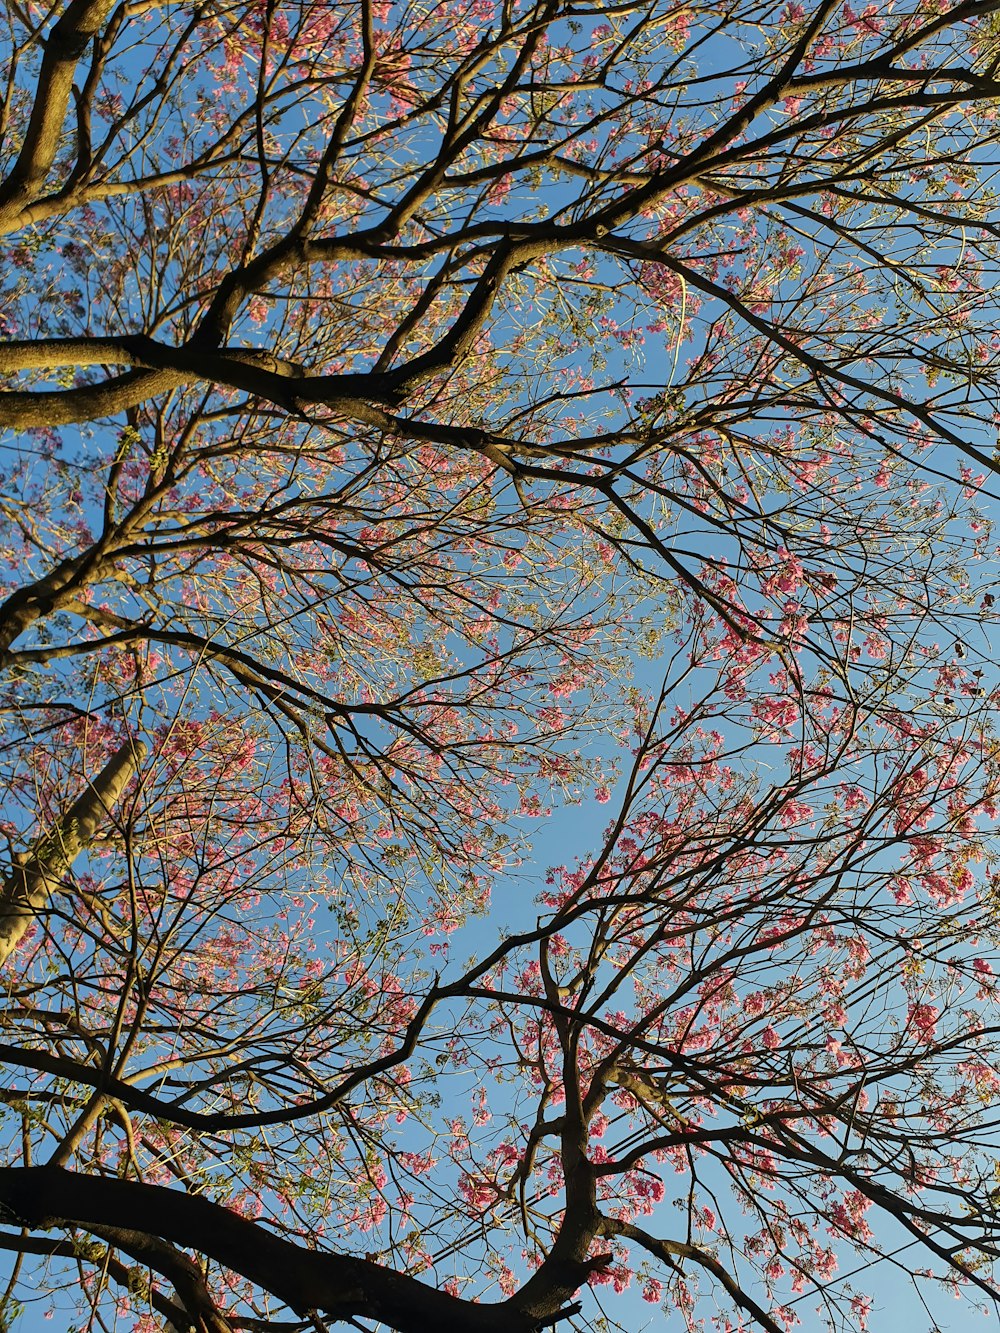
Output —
(27, 888)
(340, 1286)
(64, 46)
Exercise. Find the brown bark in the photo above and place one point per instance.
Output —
(64, 46)
(335, 1285)
(27, 888)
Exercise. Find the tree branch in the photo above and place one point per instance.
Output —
(26, 889)
(341, 1286)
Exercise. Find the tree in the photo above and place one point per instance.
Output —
(392, 394)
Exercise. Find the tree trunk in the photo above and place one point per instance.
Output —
(26, 889)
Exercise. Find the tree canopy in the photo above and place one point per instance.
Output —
(426, 427)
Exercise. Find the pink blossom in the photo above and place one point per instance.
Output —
(923, 1018)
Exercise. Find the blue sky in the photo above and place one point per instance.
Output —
(571, 832)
